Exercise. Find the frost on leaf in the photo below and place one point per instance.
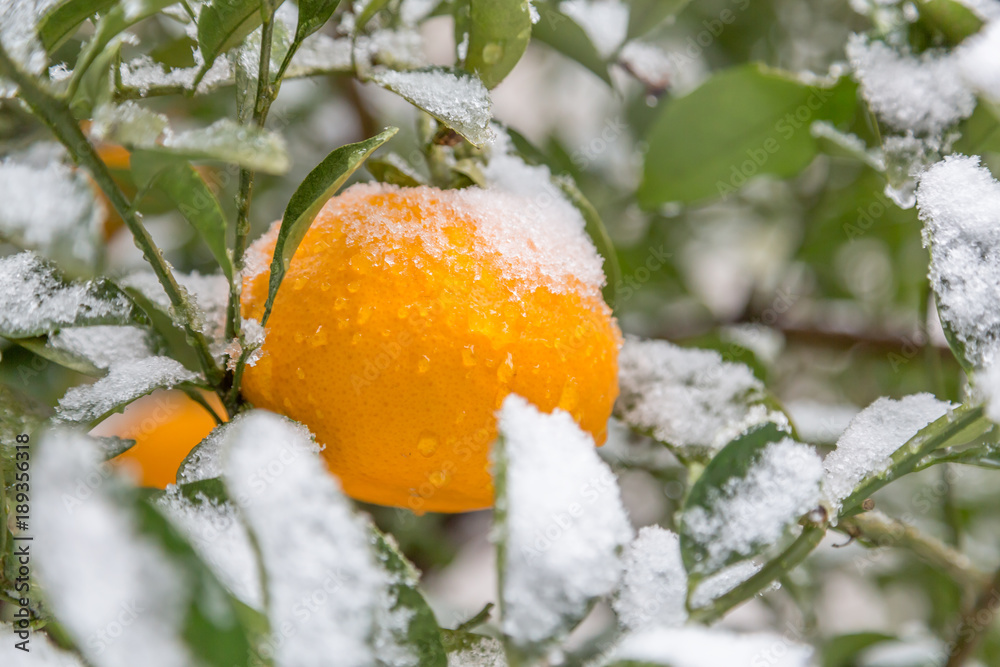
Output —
(690, 399)
(563, 523)
(749, 512)
(959, 202)
(706, 647)
(715, 586)
(50, 209)
(103, 346)
(126, 381)
(313, 547)
(97, 567)
(215, 531)
(654, 585)
(872, 437)
(458, 99)
(34, 300)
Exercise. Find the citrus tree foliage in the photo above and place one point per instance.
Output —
(761, 181)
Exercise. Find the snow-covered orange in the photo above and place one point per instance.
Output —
(409, 314)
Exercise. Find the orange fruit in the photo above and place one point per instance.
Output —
(405, 318)
(165, 425)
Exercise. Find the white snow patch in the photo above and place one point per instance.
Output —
(706, 647)
(871, 438)
(959, 202)
(43, 652)
(649, 63)
(654, 584)
(689, 398)
(103, 346)
(978, 61)
(563, 532)
(314, 549)
(713, 587)
(97, 568)
(19, 35)
(605, 22)
(755, 511)
(920, 93)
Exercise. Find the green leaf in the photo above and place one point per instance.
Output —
(598, 233)
(321, 184)
(192, 196)
(645, 15)
(393, 169)
(95, 87)
(566, 36)
(371, 7)
(731, 464)
(742, 122)
(112, 446)
(35, 300)
(499, 31)
(843, 650)
(313, 15)
(952, 18)
(60, 22)
(222, 25)
(980, 131)
(421, 631)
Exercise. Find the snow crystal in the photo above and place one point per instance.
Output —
(33, 298)
(217, 534)
(533, 248)
(51, 209)
(145, 74)
(818, 422)
(745, 514)
(713, 587)
(296, 511)
(688, 398)
(705, 647)
(97, 568)
(127, 380)
(460, 101)
(129, 124)
(562, 533)
(102, 346)
(205, 460)
(654, 584)
(959, 202)
(210, 293)
(488, 652)
(43, 652)
(19, 35)
(978, 62)
(604, 21)
(920, 93)
(871, 438)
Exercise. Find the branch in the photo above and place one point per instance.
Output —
(975, 623)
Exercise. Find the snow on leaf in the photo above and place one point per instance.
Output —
(126, 381)
(216, 532)
(205, 460)
(604, 21)
(52, 210)
(456, 98)
(102, 346)
(19, 36)
(559, 534)
(128, 124)
(748, 497)
(871, 438)
(919, 93)
(688, 398)
(715, 586)
(315, 551)
(34, 300)
(210, 295)
(654, 585)
(706, 647)
(959, 203)
(96, 566)
(978, 62)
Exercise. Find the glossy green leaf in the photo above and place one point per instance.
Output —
(598, 233)
(646, 15)
(313, 15)
(321, 184)
(740, 123)
(954, 19)
(564, 35)
(499, 31)
(732, 463)
(421, 632)
(222, 25)
(370, 8)
(60, 22)
(192, 196)
(393, 169)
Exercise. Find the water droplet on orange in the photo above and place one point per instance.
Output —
(423, 364)
(427, 444)
(300, 374)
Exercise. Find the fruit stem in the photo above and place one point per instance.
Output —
(57, 116)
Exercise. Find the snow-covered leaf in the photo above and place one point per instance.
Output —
(654, 584)
(872, 437)
(689, 399)
(207, 297)
(498, 35)
(747, 499)
(315, 551)
(35, 300)
(92, 350)
(706, 647)
(456, 98)
(222, 24)
(559, 534)
(959, 203)
(319, 185)
(122, 583)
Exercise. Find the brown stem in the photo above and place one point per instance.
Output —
(975, 623)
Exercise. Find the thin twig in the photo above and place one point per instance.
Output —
(975, 622)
